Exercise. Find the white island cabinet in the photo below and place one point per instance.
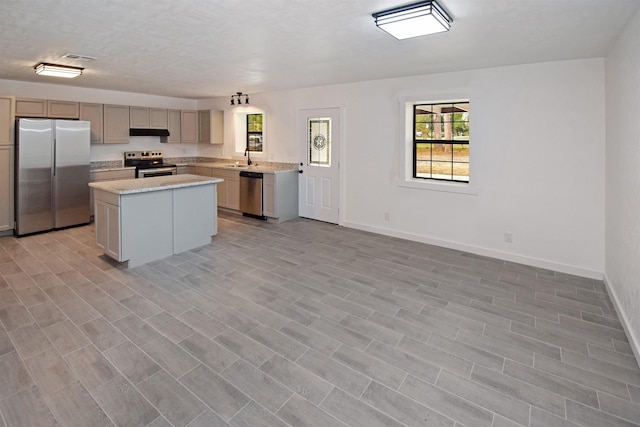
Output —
(142, 220)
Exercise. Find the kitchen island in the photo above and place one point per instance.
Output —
(142, 220)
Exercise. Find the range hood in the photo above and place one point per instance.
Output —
(148, 132)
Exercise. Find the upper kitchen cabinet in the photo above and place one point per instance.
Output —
(139, 117)
(210, 127)
(6, 120)
(173, 126)
(31, 107)
(116, 124)
(147, 118)
(188, 126)
(63, 109)
(93, 113)
(158, 118)
(47, 108)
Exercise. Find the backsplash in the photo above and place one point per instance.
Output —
(107, 164)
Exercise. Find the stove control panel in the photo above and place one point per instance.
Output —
(142, 155)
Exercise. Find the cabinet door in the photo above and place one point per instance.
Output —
(6, 120)
(217, 127)
(139, 117)
(113, 175)
(223, 198)
(204, 126)
(173, 126)
(157, 118)
(189, 126)
(6, 187)
(107, 221)
(31, 108)
(93, 113)
(116, 124)
(269, 195)
(233, 191)
(63, 110)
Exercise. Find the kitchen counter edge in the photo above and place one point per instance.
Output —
(158, 183)
(262, 169)
(112, 169)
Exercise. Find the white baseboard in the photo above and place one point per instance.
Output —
(634, 340)
(506, 256)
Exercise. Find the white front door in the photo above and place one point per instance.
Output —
(319, 148)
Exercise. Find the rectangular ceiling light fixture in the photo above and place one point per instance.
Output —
(44, 69)
(413, 20)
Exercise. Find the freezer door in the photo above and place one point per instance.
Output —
(71, 173)
(33, 170)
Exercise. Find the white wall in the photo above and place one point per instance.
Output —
(622, 262)
(108, 151)
(539, 131)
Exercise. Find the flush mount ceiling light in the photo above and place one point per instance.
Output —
(44, 69)
(413, 20)
(238, 98)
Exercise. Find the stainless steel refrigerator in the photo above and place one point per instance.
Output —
(52, 174)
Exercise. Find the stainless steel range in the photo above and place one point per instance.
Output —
(148, 163)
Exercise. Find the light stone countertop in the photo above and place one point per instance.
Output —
(243, 167)
(156, 183)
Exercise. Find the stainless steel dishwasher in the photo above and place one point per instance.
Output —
(251, 194)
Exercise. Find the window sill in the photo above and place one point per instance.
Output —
(449, 187)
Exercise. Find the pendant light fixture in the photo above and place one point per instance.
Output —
(238, 98)
(413, 20)
(45, 69)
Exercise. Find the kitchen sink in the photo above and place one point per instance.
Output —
(233, 165)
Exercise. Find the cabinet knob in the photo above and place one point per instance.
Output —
(300, 171)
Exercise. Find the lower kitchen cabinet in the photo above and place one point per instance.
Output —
(109, 175)
(280, 195)
(127, 224)
(229, 191)
(279, 191)
(108, 237)
(269, 195)
(182, 169)
(6, 188)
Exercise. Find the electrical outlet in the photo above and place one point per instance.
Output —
(508, 237)
(387, 216)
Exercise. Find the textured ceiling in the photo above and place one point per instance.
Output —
(208, 48)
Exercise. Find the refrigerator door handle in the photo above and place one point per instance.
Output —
(53, 168)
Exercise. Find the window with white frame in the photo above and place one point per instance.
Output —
(441, 141)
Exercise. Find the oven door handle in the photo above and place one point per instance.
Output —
(156, 170)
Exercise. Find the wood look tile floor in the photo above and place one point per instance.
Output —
(304, 324)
